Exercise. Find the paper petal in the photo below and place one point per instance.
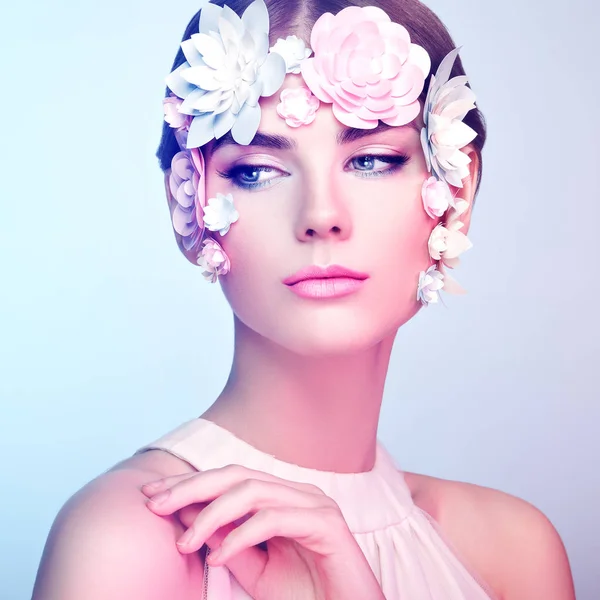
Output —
(187, 106)
(246, 125)
(272, 73)
(452, 286)
(209, 18)
(211, 50)
(445, 68)
(457, 243)
(201, 130)
(256, 17)
(420, 57)
(223, 123)
(232, 18)
(177, 84)
(193, 57)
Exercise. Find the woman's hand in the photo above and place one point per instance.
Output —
(311, 554)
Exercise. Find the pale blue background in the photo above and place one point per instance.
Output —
(103, 321)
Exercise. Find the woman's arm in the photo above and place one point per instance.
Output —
(105, 543)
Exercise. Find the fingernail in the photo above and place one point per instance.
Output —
(160, 498)
(186, 538)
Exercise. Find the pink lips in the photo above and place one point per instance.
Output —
(332, 281)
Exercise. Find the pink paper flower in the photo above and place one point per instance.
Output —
(173, 117)
(213, 260)
(366, 67)
(436, 196)
(185, 188)
(298, 106)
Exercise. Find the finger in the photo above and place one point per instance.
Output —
(320, 531)
(207, 485)
(244, 499)
(154, 487)
(317, 530)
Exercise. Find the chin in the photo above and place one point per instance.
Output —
(324, 335)
(343, 326)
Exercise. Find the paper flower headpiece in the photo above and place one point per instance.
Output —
(361, 63)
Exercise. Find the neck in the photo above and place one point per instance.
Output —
(319, 412)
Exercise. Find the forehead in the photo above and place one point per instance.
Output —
(273, 132)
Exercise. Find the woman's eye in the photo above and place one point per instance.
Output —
(366, 164)
(248, 176)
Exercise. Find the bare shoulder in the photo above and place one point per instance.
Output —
(505, 539)
(105, 543)
(159, 462)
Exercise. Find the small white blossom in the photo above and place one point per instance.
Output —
(430, 283)
(220, 213)
(446, 243)
(294, 51)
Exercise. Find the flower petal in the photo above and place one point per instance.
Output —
(209, 17)
(223, 123)
(256, 18)
(201, 130)
(177, 84)
(193, 57)
(246, 125)
(212, 51)
(272, 73)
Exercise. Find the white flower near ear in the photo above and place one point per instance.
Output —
(444, 133)
(228, 67)
(220, 213)
(294, 51)
(430, 283)
(446, 243)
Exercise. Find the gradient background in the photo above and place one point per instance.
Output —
(103, 321)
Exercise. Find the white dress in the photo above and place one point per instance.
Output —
(403, 544)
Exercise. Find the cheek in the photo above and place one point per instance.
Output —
(255, 247)
(398, 247)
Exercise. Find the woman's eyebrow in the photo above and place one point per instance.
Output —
(281, 142)
(264, 140)
(351, 134)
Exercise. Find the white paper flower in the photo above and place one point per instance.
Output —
(294, 51)
(444, 134)
(430, 282)
(228, 67)
(446, 243)
(219, 213)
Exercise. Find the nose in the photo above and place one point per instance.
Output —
(323, 212)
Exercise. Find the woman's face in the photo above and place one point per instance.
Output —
(318, 199)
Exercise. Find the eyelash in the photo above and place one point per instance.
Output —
(396, 160)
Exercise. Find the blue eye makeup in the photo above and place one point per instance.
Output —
(247, 177)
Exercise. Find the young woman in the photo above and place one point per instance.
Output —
(321, 160)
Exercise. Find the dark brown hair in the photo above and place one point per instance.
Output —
(288, 17)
